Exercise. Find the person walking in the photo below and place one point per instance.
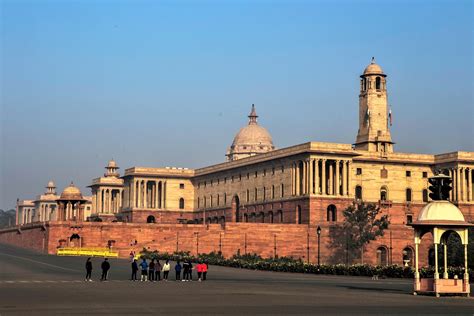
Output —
(151, 270)
(166, 270)
(144, 266)
(204, 271)
(199, 270)
(190, 271)
(105, 269)
(134, 270)
(89, 270)
(177, 269)
(158, 271)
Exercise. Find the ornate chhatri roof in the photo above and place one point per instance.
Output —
(71, 193)
(373, 69)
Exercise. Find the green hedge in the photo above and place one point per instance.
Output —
(288, 264)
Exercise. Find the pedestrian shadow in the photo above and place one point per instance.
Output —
(375, 289)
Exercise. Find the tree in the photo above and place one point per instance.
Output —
(363, 224)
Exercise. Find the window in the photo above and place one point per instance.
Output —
(225, 179)
(298, 214)
(384, 173)
(282, 190)
(248, 175)
(425, 174)
(225, 198)
(199, 202)
(264, 172)
(181, 203)
(409, 219)
(256, 174)
(383, 194)
(408, 173)
(359, 171)
(425, 195)
(282, 169)
(382, 256)
(273, 170)
(218, 200)
(256, 194)
(232, 178)
(181, 185)
(331, 214)
(273, 192)
(248, 196)
(377, 83)
(264, 193)
(358, 192)
(408, 195)
(240, 177)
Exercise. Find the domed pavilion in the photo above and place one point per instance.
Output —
(71, 204)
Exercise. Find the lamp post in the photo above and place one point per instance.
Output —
(318, 231)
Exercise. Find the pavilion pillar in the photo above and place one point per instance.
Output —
(344, 178)
(316, 176)
(298, 186)
(445, 252)
(304, 178)
(466, 286)
(469, 183)
(458, 184)
(337, 178)
(349, 177)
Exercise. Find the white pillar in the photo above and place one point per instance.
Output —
(337, 178)
(436, 273)
(331, 180)
(445, 249)
(324, 182)
(316, 176)
(344, 178)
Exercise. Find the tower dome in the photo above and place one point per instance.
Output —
(373, 69)
(251, 140)
(51, 188)
(112, 169)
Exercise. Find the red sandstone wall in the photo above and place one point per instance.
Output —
(33, 236)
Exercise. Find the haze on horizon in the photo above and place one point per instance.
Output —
(170, 83)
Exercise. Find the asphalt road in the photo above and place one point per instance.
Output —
(32, 283)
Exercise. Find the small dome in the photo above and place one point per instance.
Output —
(373, 69)
(71, 193)
(250, 140)
(51, 184)
(440, 211)
(112, 164)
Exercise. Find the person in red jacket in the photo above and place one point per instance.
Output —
(204, 271)
(199, 270)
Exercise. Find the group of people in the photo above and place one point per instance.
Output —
(152, 271)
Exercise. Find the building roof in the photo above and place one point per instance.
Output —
(373, 69)
(440, 213)
(71, 193)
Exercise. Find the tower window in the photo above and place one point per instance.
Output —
(409, 219)
(181, 185)
(377, 83)
(359, 171)
(425, 174)
(408, 173)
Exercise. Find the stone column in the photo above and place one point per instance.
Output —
(331, 180)
(164, 194)
(344, 178)
(349, 178)
(304, 177)
(469, 182)
(99, 201)
(316, 176)
(458, 184)
(451, 174)
(157, 195)
(298, 187)
(337, 178)
(323, 176)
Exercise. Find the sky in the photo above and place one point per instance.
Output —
(169, 83)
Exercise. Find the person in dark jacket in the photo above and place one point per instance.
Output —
(185, 271)
(177, 269)
(190, 271)
(151, 270)
(89, 270)
(105, 269)
(134, 270)
(144, 266)
(158, 271)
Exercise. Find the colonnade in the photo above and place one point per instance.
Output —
(321, 176)
(107, 200)
(463, 190)
(147, 194)
(70, 210)
(45, 212)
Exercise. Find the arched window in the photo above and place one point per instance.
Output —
(181, 203)
(236, 207)
(358, 192)
(246, 218)
(151, 219)
(280, 216)
(331, 213)
(270, 216)
(382, 256)
(407, 256)
(425, 195)
(301, 177)
(273, 192)
(248, 196)
(383, 193)
(298, 214)
(256, 194)
(408, 195)
(282, 190)
(364, 84)
(378, 83)
(262, 217)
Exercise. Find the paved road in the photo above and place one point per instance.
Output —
(32, 283)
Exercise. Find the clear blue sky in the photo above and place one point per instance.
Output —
(169, 83)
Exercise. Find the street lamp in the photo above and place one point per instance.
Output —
(318, 231)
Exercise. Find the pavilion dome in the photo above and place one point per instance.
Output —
(440, 211)
(250, 140)
(71, 193)
(373, 69)
(112, 164)
(51, 184)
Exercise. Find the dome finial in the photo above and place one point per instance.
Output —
(253, 115)
(373, 60)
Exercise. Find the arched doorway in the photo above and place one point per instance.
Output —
(75, 240)
(151, 219)
(236, 208)
(298, 215)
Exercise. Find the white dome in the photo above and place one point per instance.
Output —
(373, 69)
(250, 140)
(440, 211)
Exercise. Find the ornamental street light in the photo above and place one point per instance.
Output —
(318, 231)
